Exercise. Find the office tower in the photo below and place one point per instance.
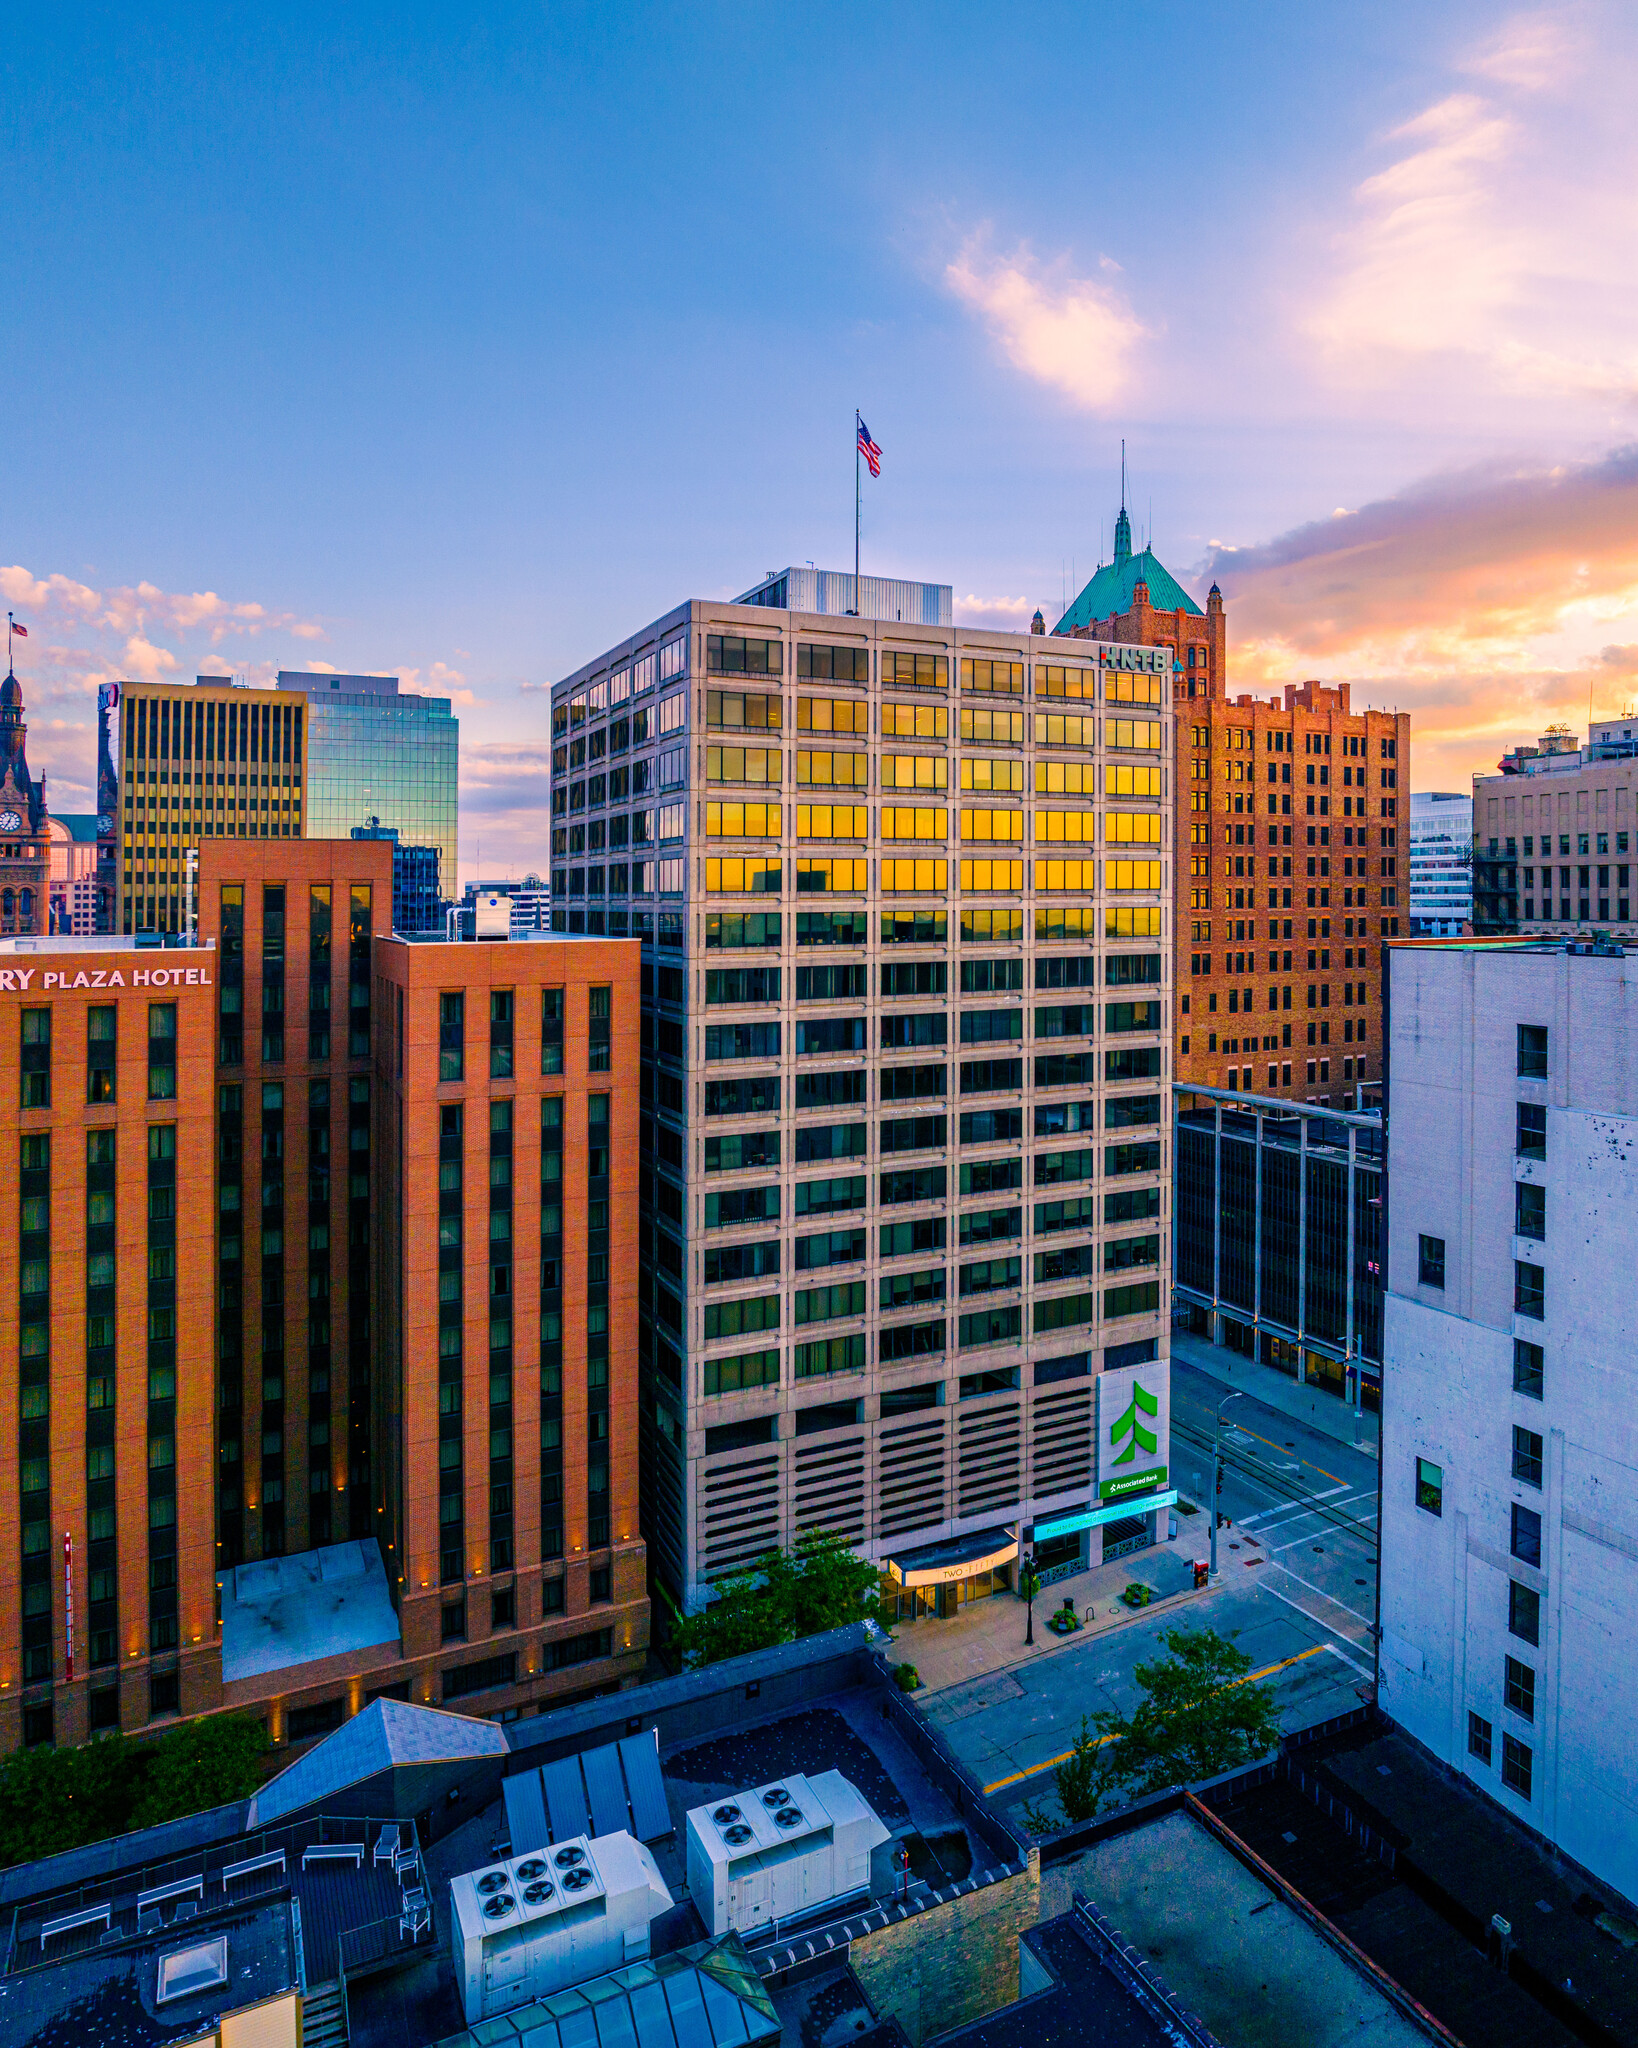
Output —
(417, 905)
(902, 894)
(1289, 890)
(24, 824)
(259, 1340)
(180, 765)
(378, 755)
(1509, 1498)
(1441, 864)
(1553, 848)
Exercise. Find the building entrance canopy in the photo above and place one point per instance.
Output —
(963, 1557)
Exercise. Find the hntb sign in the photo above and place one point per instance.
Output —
(1134, 1429)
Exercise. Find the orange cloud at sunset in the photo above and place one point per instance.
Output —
(1486, 603)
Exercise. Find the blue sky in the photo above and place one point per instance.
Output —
(389, 341)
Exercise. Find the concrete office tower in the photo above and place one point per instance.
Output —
(180, 765)
(1509, 1473)
(320, 1376)
(1290, 847)
(1553, 846)
(385, 758)
(1441, 864)
(903, 893)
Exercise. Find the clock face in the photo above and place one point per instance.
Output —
(10, 822)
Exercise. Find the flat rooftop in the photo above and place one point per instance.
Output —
(285, 1611)
(1230, 1947)
(105, 1997)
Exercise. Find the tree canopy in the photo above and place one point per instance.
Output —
(56, 1799)
(1199, 1715)
(818, 1584)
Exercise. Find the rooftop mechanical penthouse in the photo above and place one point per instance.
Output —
(904, 897)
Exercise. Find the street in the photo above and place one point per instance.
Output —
(1296, 1592)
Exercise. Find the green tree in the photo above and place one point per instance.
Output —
(816, 1585)
(207, 1763)
(1198, 1715)
(55, 1799)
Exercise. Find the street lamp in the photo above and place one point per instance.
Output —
(1217, 1473)
(1030, 1586)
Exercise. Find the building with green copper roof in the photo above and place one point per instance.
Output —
(1111, 589)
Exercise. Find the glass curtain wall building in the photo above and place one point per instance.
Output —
(382, 760)
(904, 895)
(1279, 1236)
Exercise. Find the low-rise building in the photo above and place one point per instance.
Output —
(1553, 846)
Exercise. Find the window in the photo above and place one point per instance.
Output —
(1532, 1052)
(1528, 1362)
(500, 1034)
(1532, 1130)
(1529, 1291)
(729, 654)
(1516, 1766)
(598, 1040)
(833, 664)
(451, 1035)
(1430, 1487)
(1431, 1265)
(36, 1091)
(730, 711)
(551, 1031)
(1526, 1456)
(101, 1022)
(1526, 1535)
(1521, 1689)
(1478, 1737)
(162, 1052)
(1523, 1613)
(1529, 1210)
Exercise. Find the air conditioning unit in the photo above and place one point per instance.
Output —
(780, 1852)
(523, 1929)
(492, 916)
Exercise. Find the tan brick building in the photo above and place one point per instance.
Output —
(321, 1377)
(1292, 852)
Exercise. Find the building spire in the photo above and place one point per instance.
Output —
(1123, 525)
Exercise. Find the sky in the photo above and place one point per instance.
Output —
(398, 341)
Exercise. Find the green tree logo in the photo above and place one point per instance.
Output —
(1128, 1425)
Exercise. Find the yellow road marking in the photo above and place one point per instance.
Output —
(1052, 1762)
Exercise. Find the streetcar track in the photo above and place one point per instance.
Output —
(1256, 1473)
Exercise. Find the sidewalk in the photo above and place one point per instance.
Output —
(988, 1635)
(1325, 1413)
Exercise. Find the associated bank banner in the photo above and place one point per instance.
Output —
(1134, 1429)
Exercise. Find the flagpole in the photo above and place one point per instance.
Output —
(857, 425)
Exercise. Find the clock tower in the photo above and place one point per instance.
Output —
(24, 843)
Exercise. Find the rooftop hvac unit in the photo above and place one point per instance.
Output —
(780, 1851)
(492, 916)
(524, 1929)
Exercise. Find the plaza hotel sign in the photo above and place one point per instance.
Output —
(22, 980)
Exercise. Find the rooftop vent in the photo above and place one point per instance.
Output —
(492, 1881)
(788, 1817)
(776, 1795)
(738, 1835)
(188, 1972)
(576, 1880)
(499, 1906)
(725, 1814)
(534, 1893)
(567, 1859)
(532, 1866)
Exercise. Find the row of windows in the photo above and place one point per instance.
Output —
(728, 1208)
(102, 1047)
(502, 1030)
(838, 770)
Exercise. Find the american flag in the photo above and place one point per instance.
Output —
(868, 449)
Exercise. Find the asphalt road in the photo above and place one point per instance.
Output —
(1296, 1592)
